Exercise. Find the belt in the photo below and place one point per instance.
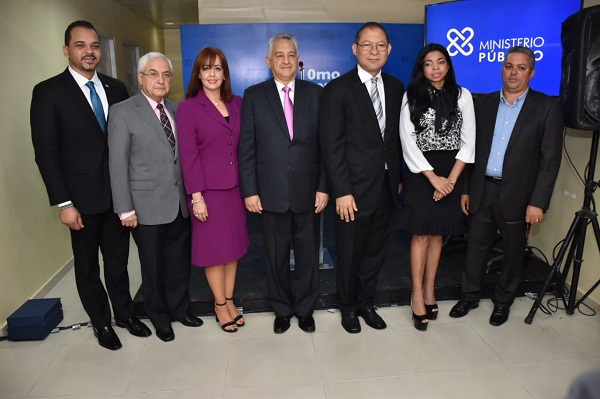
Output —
(493, 179)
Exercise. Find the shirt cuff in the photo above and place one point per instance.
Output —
(125, 215)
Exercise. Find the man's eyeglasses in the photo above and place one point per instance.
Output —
(369, 46)
(155, 74)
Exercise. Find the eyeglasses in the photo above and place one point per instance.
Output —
(369, 46)
(155, 74)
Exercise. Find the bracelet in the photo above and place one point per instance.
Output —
(65, 206)
(198, 200)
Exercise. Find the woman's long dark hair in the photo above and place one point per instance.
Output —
(418, 92)
(208, 56)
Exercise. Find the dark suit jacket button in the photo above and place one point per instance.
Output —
(175, 162)
(176, 183)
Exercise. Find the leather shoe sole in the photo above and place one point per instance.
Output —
(191, 321)
(306, 323)
(351, 323)
(372, 319)
(107, 338)
(499, 315)
(135, 327)
(165, 334)
(461, 308)
(281, 324)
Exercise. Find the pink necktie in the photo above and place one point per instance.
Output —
(288, 110)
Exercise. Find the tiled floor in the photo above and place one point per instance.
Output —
(464, 358)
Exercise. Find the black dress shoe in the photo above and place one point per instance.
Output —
(462, 308)
(166, 334)
(499, 315)
(281, 324)
(107, 338)
(306, 323)
(371, 317)
(350, 322)
(191, 321)
(135, 327)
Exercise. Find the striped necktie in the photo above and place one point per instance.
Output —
(377, 104)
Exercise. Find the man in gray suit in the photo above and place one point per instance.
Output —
(149, 195)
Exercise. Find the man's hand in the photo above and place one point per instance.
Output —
(71, 218)
(253, 204)
(534, 215)
(130, 221)
(465, 202)
(345, 207)
(320, 201)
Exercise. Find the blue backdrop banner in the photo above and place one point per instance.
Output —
(325, 49)
(477, 34)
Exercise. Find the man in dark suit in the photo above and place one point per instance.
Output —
(68, 128)
(358, 128)
(517, 157)
(282, 180)
(149, 195)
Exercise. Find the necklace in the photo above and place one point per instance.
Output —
(215, 102)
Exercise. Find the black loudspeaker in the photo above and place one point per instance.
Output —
(580, 81)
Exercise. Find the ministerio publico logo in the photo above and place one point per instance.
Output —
(490, 49)
(459, 41)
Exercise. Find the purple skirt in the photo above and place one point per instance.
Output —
(223, 238)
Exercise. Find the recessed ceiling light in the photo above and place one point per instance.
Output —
(169, 23)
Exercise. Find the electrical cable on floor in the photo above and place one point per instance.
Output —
(76, 326)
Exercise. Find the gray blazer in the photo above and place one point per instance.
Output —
(145, 173)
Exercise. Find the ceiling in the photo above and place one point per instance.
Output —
(170, 14)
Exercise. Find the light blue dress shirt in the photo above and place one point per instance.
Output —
(505, 123)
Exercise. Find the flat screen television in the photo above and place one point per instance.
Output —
(477, 34)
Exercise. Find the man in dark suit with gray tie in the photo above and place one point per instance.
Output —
(282, 180)
(517, 157)
(358, 129)
(149, 196)
(68, 128)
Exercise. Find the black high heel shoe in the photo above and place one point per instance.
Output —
(225, 325)
(238, 317)
(419, 321)
(432, 311)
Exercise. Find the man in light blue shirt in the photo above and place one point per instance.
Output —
(517, 157)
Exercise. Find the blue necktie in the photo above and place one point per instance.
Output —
(97, 106)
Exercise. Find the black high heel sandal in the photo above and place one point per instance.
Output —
(238, 317)
(419, 321)
(225, 325)
(432, 311)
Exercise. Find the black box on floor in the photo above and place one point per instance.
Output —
(35, 319)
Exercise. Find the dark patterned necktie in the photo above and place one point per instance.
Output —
(164, 121)
(97, 106)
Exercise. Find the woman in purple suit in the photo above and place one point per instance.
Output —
(208, 129)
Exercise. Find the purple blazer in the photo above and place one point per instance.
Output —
(208, 144)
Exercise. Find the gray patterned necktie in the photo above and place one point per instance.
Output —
(377, 104)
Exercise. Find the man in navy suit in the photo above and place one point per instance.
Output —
(517, 157)
(68, 128)
(282, 180)
(361, 153)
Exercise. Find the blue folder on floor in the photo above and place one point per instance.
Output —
(35, 319)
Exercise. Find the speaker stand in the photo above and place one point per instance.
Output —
(574, 242)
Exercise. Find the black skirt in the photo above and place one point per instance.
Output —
(422, 215)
